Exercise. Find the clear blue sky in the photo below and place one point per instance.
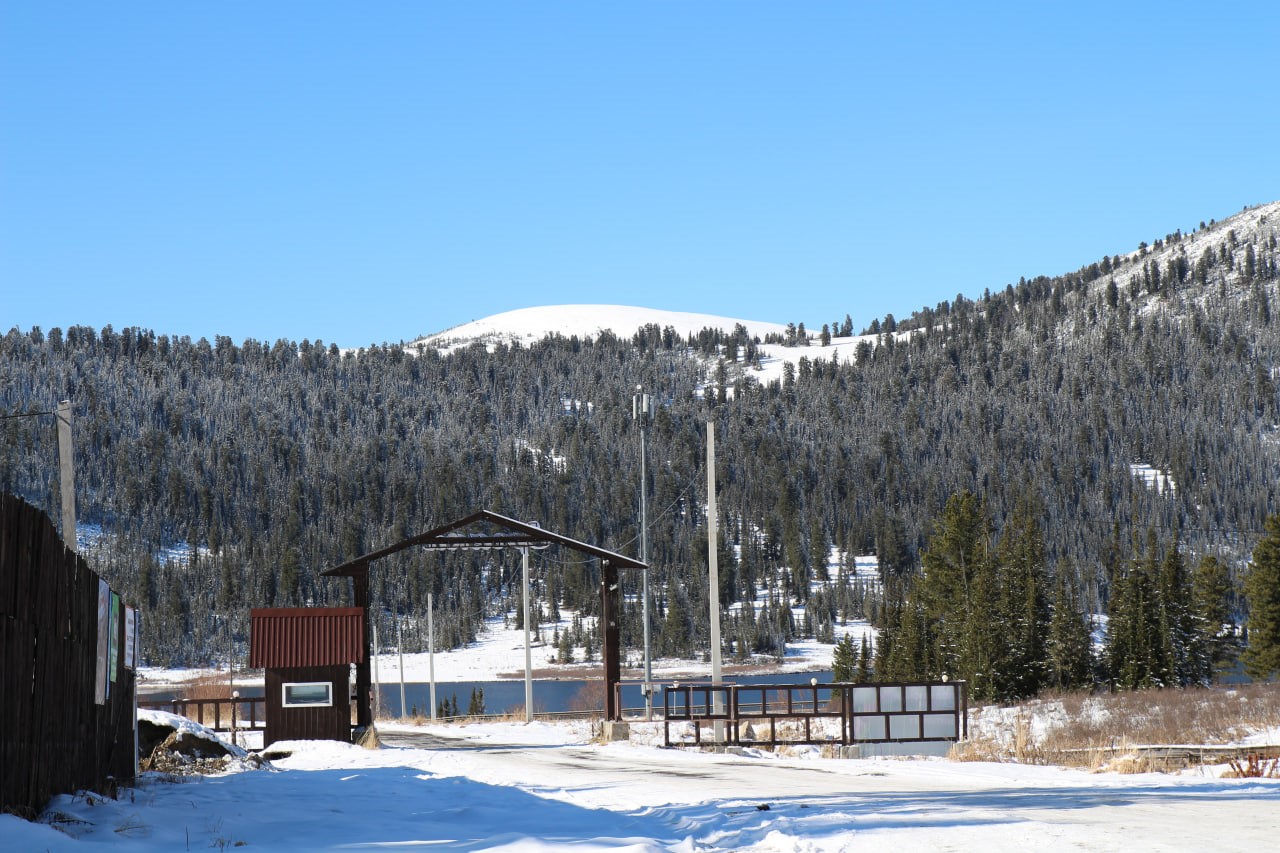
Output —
(369, 172)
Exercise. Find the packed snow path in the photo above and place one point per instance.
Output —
(825, 804)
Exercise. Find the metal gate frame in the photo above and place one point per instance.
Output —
(889, 712)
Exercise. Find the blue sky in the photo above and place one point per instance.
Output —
(370, 172)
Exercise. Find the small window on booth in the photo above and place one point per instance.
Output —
(308, 694)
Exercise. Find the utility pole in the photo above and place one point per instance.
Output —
(641, 412)
(400, 650)
(431, 649)
(67, 474)
(713, 569)
(528, 652)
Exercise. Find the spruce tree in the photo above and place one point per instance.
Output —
(1069, 646)
(951, 598)
(475, 708)
(844, 661)
(1187, 655)
(1212, 588)
(1023, 606)
(1135, 646)
(863, 673)
(1262, 591)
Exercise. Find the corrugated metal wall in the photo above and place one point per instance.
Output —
(306, 637)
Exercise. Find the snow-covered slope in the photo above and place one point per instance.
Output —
(527, 325)
(531, 324)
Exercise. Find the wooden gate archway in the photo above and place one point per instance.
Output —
(509, 533)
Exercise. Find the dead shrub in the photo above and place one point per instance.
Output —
(590, 698)
(978, 749)
(1254, 767)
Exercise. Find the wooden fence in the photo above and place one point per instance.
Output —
(244, 713)
(54, 736)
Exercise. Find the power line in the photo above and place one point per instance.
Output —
(27, 415)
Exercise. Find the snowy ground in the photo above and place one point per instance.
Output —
(544, 787)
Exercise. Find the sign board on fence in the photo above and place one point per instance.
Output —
(113, 659)
(130, 638)
(104, 625)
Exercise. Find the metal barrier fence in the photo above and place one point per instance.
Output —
(863, 713)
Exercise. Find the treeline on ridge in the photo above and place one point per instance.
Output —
(277, 461)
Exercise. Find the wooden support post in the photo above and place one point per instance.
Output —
(364, 686)
(609, 638)
(67, 474)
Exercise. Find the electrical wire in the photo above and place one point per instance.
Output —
(27, 415)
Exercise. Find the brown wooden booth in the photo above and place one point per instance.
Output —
(307, 653)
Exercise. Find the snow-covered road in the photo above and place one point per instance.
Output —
(863, 804)
(544, 787)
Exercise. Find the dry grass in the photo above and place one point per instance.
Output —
(1209, 716)
(1105, 731)
(1018, 746)
(207, 687)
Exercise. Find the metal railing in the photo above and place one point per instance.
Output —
(862, 713)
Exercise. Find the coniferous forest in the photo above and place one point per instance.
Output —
(983, 449)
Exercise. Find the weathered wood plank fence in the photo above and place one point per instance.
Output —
(54, 736)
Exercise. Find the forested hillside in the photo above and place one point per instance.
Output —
(277, 461)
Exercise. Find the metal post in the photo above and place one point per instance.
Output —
(400, 648)
(136, 746)
(231, 665)
(642, 405)
(67, 474)
(714, 577)
(431, 650)
(528, 652)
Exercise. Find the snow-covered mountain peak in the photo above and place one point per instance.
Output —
(532, 324)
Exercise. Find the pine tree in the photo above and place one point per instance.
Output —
(844, 661)
(892, 554)
(674, 638)
(1024, 606)
(863, 673)
(564, 649)
(956, 597)
(1135, 645)
(904, 651)
(1069, 647)
(1212, 589)
(1262, 591)
(1187, 647)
